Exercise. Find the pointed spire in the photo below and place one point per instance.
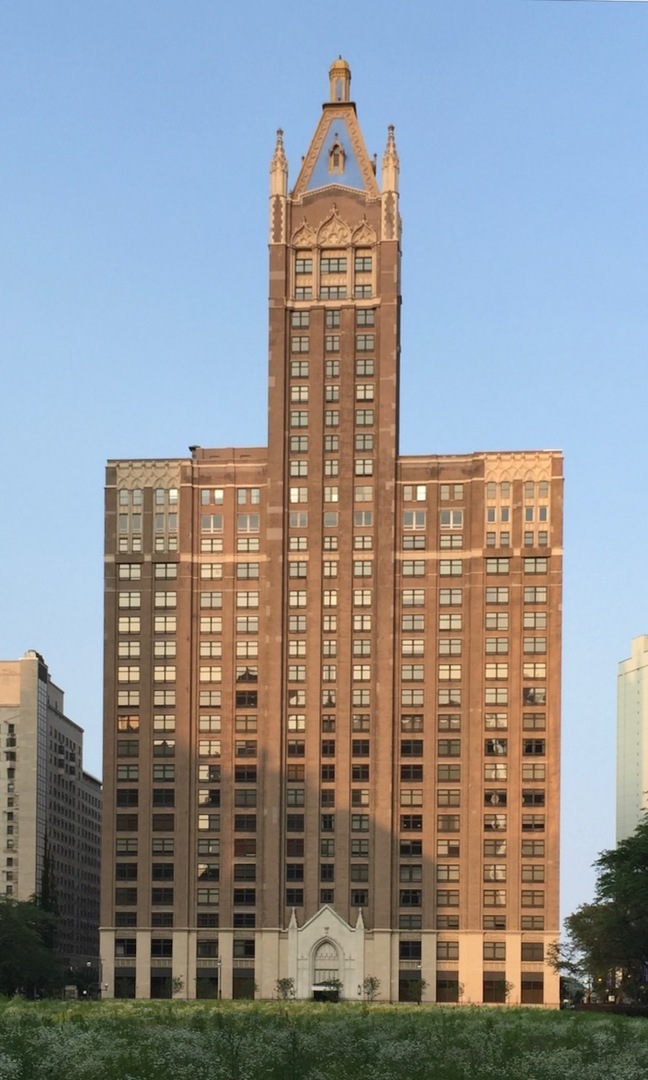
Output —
(279, 168)
(359, 921)
(390, 163)
(292, 925)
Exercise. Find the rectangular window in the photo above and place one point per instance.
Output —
(498, 566)
(451, 519)
(129, 600)
(333, 264)
(496, 695)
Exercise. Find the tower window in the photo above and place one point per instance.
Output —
(336, 158)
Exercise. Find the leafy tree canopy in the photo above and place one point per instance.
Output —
(607, 940)
(28, 964)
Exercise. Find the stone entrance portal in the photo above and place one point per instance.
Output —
(326, 956)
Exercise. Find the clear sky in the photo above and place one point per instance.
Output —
(136, 137)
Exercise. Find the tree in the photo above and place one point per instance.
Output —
(46, 899)
(285, 989)
(607, 940)
(370, 987)
(28, 964)
(417, 988)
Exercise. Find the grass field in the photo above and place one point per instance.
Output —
(293, 1041)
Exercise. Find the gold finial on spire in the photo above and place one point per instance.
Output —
(340, 81)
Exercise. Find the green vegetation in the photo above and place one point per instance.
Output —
(28, 964)
(606, 946)
(173, 1040)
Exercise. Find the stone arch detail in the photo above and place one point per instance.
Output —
(364, 235)
(327, 961)
(303, 236)
(334, 232)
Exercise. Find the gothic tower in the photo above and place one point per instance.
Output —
(332, 671)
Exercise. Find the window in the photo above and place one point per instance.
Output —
(495, 950)
(449, 646)
(451, 519)
(533, 823)
(449, 722)
(299, 345)
(535, 565)
(449, 747)
(450, 568)
(496, 671)
(497, 566)
(496, 695)
(494, 898)
(129, 571)
(164, 673)
(533, 898)
(494, 822)
(450, 597)
(533, 797)
(413, 568)
(411, 822)
(449, 672)
(129, 600)
(335, 264)
(533, 872)
(166, 570)
(414, 597)
(452, 492)
(447, 897)
(450, 540)
(411, 697)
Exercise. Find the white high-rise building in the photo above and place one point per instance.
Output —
(632, 739)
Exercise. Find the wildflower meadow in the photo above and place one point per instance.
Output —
(121, 1040)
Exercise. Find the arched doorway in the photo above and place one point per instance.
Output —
(326, 972)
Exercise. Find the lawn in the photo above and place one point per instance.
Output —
(124, 1040)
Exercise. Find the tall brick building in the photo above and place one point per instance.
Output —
(332, 671)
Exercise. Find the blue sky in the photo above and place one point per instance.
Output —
(133, 284)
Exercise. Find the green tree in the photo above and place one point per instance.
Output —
(417, 988)
(46, 898)
(285, 989)
(607, 940)
(28, 964)
(370, 987)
